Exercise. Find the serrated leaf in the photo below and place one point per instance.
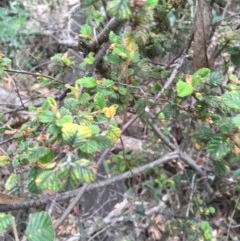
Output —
(89, 147)
(48, 180)
(119, 9)
(103, 141)
(5, 221)
(65, 119)
(219, 147)
(74, 134)
(40, 227)
(46, 116)
(84, 98)
(184, 89)
(215, 79)
(113, 134)
(12, 181)
(232, 100)
(71, 104)
(87, 82)
(99, 101)
(81, 171)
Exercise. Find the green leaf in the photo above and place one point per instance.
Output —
(5, 221)
(236, 120)
(74, 134)
(80, 171)
(119, 9)
(90, 147)
(32, 175)
(122, 90)
(232, 100)
(46, 116)
(48, 180)
(100, 101)
(218, 147)
(12, 181)
(86, 30)
(65, 119)
(40, 153)
(84, 98)
(171, 110)
(200, 76)
(71, 104)
(40, 228)
(215, 79)
(107, 83)
(103, 142)
(152, 3)
(184, 89)
(113, 38)
(87, 82)
(94, 129)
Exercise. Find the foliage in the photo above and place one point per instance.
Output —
(56, 148)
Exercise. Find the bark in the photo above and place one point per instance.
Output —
(203, 20)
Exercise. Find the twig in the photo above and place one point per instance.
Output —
(177, 67)
(71, 205)
(30, 73)
(183, 156)
(14, 228)
(69, 194)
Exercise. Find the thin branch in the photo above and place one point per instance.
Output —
(41, 200)
(177, 67)
(71, 205)
(30, 73)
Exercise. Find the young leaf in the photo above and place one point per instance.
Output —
(65, 119)
(40, 227)
(184, 89)
(86, 30)
(100, 101)
(87, 82)
(5, 221)
(46, 116)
